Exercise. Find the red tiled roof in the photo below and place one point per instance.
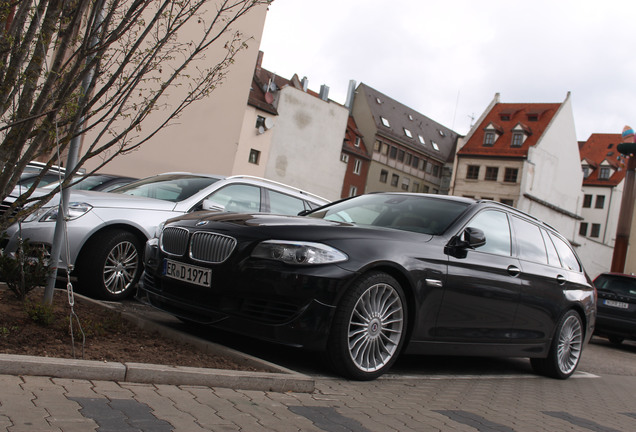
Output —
(601, 148)
(349, 141)
(532, 118)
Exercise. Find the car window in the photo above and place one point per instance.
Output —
(238, 198)
(167, 187)
(404, 212)
(529, 241)
(617, 284)
(280, 203)
(568, 259)
(553, 256)
(496, 228)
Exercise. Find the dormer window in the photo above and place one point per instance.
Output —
(385, 122)
(435, 146)
(533, 117)
(408, 133)
(357, 142)
(505, 117)
(421, 138)
(517, 139)
(489, 139)
(604, 173)
(378, 100)
(586, 171)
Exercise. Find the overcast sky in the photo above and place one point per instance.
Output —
(447, 59)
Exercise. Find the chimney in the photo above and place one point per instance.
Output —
(305, 83)
(324, 92)
(259, 60)
(350, 95)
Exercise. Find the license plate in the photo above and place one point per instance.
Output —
(616, 304)
(187, 273)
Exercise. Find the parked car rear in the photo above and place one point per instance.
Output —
(616, 308)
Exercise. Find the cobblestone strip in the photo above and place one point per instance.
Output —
(18, 405)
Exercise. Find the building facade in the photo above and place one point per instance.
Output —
(524, 155)
(409, 151)
(356, 156)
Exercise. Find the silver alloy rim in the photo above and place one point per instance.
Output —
(569, 345)
(375, 327)
(120, 268)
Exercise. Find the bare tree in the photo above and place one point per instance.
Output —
(128, 53)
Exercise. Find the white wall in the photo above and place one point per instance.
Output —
(307, 143)
(251, 139)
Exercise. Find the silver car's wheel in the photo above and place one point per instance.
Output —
(369, 327)
(110, 265)
(122, 264)
(565, 350)
(375, 327)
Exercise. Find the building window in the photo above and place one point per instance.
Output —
(583, 229)
(510, 176)
(426, 189)
(437, 172)
(473, 172)
(393, 152)
(385, 122)
(517, 139)
(600, 201)
(421, 138)
(595, 231)
(385, 149)
(586, 171)
(415, 187)
(405, 184)
(435, 146)
(400, 156)
(255, 155)
(344, 158)
(491, 173)
(587, 201)
(377, 145)
(408, 133)
(357, 142)
(604, 174)
(489, 138)
(424, 165)
(384, 174)
(415, 162)
(507, 202)
(260, 121)
(408, 159)
(357, 166)
(395, 179)
(353, 191)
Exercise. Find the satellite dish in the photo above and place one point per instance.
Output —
(269, 123)
(261, 130)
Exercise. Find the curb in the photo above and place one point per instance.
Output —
(277, 379)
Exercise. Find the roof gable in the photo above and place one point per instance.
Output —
(528, 120)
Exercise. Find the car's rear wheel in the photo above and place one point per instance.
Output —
(111, 265)
(565, 350)
(369, 328)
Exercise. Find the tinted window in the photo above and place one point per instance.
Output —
(568, 259)
(529, 241)
(238, 198)
(280, 203)
(617, 284)
(167, 187)
(495, 226)
(553, 256)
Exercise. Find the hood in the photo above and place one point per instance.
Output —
(115, 200)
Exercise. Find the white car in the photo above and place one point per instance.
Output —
(107, 231)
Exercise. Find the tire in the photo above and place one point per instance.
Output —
(111, 265)
(565, 349)
(369, 328)
(616, 340)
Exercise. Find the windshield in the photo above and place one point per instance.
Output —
(417, 213)
(169, 187)
(621, 285)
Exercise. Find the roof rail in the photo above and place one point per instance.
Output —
(249, 177)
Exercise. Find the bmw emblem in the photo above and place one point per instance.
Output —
(201, 223)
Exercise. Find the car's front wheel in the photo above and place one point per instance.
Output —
(565, 350)
(369, 328)
(110, 265)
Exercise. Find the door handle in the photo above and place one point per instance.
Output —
(561, 279)
(514, 271)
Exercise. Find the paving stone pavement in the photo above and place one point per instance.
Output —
(428, 403)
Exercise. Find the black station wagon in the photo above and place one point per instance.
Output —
(367, 278)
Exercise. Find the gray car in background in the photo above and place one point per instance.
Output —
(107, 231)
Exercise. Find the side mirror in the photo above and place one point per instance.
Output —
(212, 205)
(473, 238)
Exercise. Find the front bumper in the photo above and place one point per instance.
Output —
(287, 305)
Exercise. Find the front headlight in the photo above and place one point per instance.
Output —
(75, 210)
(298, 253)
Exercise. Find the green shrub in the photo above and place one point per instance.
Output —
(25, 269)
